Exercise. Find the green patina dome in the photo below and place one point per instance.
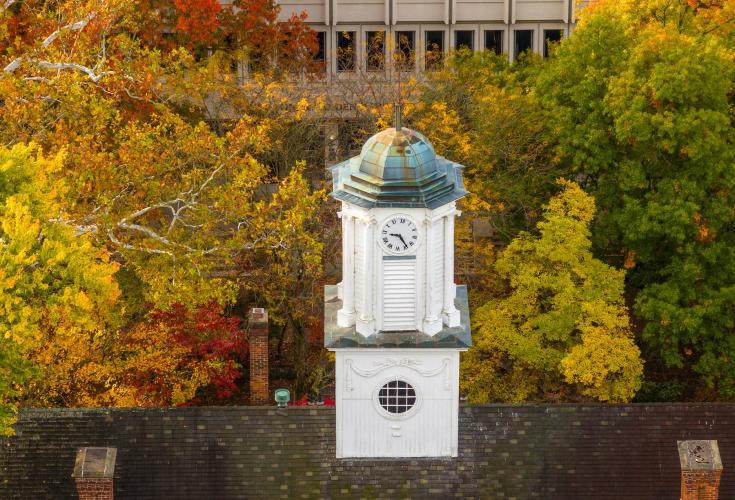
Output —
(398, 168)
(398, 154)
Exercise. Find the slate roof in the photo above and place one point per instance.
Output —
(550, 452)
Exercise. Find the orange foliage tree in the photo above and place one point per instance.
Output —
(173, 201)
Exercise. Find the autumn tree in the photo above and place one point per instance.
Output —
(55, 285)
(499, 132)
(481, 111)
(177, 356)
(561, 331)
(171, 201)
(286, 272)
(641, 100)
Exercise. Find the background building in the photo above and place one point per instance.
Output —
(353, 32)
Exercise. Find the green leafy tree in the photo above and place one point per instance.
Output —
(561, 331)
(641, 98)
(482, 111)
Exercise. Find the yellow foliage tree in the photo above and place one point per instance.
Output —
(56, 287)
(561, 331)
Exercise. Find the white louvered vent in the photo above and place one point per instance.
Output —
(399, 295)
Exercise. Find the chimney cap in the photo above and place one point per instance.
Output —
(699, 455)
(258, 314)
(95, 462)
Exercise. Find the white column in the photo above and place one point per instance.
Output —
(366, 320)
(450, 313)
(346, 315)
(433, 285)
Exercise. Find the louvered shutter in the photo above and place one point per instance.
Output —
(399, 295)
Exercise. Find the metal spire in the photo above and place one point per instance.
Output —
(399, 118)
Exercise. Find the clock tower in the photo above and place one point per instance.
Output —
(397, 322)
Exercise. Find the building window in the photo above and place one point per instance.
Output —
(345, 51)
(494, 41)
(434, 49)
(320, 56)
(397, 397)
(405, 50)
(375, 51)
(464, 40)
(551, 37)
(523, 41)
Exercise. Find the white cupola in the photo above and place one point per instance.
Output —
(397, 321)
(398, 209)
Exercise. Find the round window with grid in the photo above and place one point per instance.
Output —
(397, 396)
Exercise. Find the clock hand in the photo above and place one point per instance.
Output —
(398, 235)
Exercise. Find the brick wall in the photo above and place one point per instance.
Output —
(561, 452)
(700, 485)
(258, 345)
(94, 489)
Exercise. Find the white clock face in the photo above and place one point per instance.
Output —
(399, 234)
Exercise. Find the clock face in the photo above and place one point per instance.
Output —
(399, 234)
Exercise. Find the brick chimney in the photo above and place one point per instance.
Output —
(94, 470)
(701, 468)
(258, 343)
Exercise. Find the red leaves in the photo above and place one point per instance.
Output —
(199, 19)
(209, 341)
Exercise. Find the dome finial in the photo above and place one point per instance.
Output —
(399, 117)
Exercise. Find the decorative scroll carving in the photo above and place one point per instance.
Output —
(413, 364)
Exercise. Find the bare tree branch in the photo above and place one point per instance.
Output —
(5, 6)
(95, 77)
(176, 207)
(75, 26)
(128, 246)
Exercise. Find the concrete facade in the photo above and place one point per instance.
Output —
(505, 26)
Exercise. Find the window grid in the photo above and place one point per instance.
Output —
(551, 37)
(464, 39)
(346, 51)
(397, 397)
(405, 53)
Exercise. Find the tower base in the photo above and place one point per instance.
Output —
(397, 402)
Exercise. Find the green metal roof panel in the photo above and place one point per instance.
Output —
(398, 169)
(398, 155)
(335, 336)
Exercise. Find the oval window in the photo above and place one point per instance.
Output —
(397, 397)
